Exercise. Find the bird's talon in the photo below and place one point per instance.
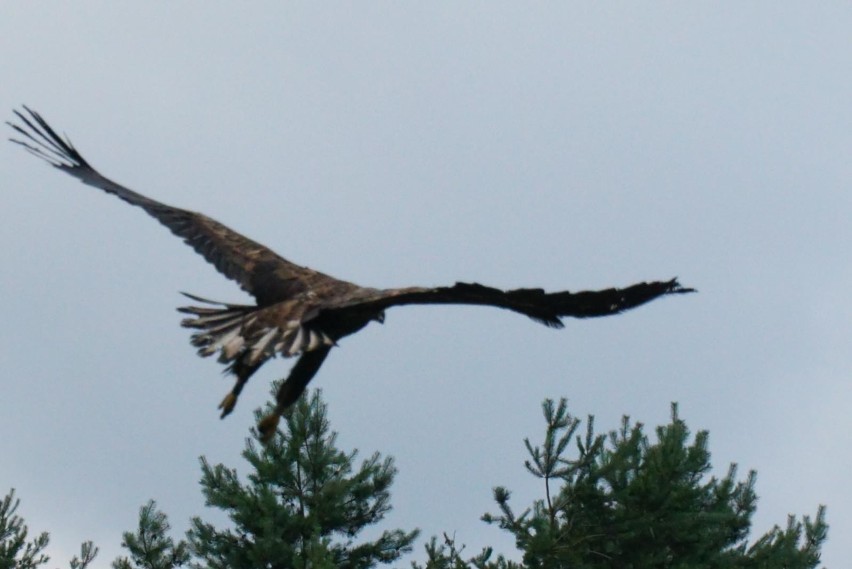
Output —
(227, 405)
(267, 426)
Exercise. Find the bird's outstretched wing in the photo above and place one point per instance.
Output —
(547, 308)
(259, 271)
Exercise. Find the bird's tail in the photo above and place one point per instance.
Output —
(220, 326)
(248, 335)
(245, 339)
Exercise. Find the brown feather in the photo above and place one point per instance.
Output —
(258, 270)
(300, 311)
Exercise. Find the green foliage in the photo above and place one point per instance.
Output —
(780, 548)
(16, 552)
(88, 551)
(627, 502)
(303, 505)
(150, 547)
(619, 501)
(448, 555)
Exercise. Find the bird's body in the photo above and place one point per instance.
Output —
(299, 311)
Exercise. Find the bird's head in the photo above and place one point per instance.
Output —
(380, 317)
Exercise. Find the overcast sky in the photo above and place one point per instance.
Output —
(566, 146)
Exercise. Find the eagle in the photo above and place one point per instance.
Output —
(300, 312)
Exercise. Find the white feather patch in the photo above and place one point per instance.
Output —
(232, 348)
(259, 348)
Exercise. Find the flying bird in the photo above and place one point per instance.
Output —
(299, 311)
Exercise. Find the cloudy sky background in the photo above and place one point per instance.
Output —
(563, 146)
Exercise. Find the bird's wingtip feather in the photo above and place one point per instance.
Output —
(676, 288)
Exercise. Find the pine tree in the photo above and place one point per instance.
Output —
(303, 505)
(625, 502)
(151, 547)
(16, 552)
(621, 501)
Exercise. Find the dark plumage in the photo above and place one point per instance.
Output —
(299, 311)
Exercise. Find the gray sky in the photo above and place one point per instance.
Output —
(563, 146)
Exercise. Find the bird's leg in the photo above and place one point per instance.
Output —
(227, 405)
(267, 426)
(230, 401)
(290, 391)
(288, 394)
(243, 372)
